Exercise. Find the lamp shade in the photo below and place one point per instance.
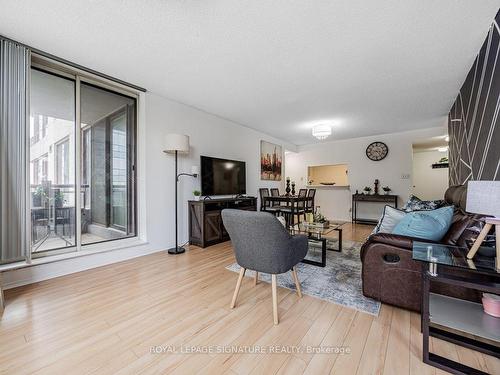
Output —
(483, 197)
(176, 142)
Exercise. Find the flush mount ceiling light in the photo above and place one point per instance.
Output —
(322, 131)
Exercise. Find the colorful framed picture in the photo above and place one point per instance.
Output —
(271, 159)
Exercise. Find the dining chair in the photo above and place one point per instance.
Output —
(275, 192)
(272, 207)
(310, 202)
(302, 205)
(298, 210)
(262, 244)
(263, 193)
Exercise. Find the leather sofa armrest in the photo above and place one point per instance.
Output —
(397, 240)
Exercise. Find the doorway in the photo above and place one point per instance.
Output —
(430, 168)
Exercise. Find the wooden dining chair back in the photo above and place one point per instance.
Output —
(263, 193)
(301, 205)
(310, 202)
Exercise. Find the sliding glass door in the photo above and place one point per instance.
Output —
(102, 155)
(52, 161)
(108, 157)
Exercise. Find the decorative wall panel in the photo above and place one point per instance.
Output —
(473, 120)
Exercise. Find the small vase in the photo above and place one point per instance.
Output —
(196, 197)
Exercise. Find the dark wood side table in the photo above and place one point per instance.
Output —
(455, 320)
(377, 198)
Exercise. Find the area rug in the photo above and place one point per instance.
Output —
(339, 282)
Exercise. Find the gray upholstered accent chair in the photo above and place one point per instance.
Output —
(262, 244)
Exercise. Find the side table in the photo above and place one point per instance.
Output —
(458, 321)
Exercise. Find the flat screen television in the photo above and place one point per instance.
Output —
(222, 176)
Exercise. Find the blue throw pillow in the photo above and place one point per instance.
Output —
(428, 225)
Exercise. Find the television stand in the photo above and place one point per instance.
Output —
(205, 220)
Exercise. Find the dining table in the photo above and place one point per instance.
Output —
(291, 204)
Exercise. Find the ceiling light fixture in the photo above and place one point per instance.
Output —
(322, 131)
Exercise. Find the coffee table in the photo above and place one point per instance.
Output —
(319, 236)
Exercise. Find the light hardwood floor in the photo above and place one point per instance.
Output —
(105, 321)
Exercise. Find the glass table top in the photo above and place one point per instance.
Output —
(309, 229)
(453, 256)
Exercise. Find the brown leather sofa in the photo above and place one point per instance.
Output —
(389, 273)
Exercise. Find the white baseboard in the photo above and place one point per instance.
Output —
(35, 273)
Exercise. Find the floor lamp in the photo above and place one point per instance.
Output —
(177, 144)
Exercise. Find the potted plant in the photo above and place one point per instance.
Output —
(59, 199)
(386, 190)
(443, 160)
(38, 196)
(196, 194)
(367, 190)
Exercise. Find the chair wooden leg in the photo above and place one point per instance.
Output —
(275, 299)
(297, 282)
(256, 278)
(238, 285)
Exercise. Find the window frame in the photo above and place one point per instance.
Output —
(80, 77)
(60, 178)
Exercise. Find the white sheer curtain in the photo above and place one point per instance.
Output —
(14, 73)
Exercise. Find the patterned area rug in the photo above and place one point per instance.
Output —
(339, 282)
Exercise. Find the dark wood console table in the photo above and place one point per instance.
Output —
(205, 220)
(377, 198)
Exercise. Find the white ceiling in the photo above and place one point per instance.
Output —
(278, 66)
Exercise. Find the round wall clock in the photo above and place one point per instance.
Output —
(376, 151)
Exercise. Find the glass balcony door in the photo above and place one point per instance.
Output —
(52, 161)
(108, 156)
(102, 141)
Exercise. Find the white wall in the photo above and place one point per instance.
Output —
(428, 183)
(336, 202)
(209, 135)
